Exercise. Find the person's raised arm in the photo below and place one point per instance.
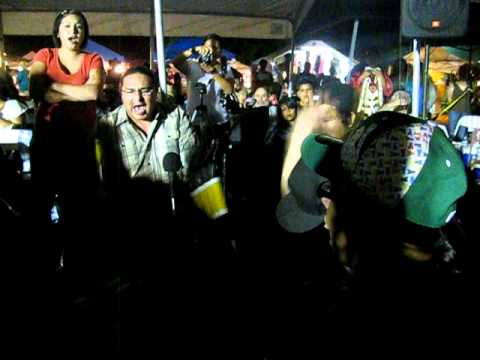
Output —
(181, 61)
(310, 120)
(357, 79)
(225, 83)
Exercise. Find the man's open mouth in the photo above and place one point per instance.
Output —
(140, 109)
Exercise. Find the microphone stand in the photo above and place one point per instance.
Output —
(171, 180)
(171, 164)
(199, 114)
(453, 103)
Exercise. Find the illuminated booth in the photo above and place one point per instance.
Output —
(324, 59)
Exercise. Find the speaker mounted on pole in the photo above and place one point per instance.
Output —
(434, 19)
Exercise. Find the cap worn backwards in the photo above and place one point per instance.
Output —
(406, 164)
(400, 162)
(302, 209)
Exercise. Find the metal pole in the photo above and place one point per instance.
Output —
(152, 41)
(416, 78)
(425, 82)
(470, 53)
(2, 43)
(400, 67)
(290, 70)
(470, 81)
(160, 50)
(450, 106)
(352, 46)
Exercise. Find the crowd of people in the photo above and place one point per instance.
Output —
(341, 207)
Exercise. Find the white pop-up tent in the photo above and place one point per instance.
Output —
(314, 51)
(275, 19)
(441, 59)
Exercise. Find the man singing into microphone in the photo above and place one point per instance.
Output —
(136, 137)
(146, 147)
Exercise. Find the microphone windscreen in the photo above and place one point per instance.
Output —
(250, 102)
(171, 162)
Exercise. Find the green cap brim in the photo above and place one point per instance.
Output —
(316, 147)
(431, 199)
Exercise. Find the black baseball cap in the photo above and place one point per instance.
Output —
(302, 209)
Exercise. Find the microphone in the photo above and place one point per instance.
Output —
(250, 102)
(171, 164)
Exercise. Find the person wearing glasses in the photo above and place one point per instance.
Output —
(138, 181)
(65, 82)
(136, 136)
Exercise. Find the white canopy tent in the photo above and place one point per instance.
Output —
(138, 24)
(275, 19)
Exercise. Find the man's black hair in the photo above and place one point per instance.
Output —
(276, 89)
(58, 20)
(372, 56)
(341, 96)
(267, 88)
(301, 80)
(290, 101)
(139, 70)
(213, 37)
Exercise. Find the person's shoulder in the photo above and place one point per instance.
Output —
(44, 54)
(242, 91)
(175, 113)
(182, 113)
(93, 58)
(113, 117)
(46, 51)
(92, 55)
(172, 109)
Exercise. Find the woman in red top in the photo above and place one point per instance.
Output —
(65, 82)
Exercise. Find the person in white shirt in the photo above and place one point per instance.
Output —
(12, 110)
(210, 70)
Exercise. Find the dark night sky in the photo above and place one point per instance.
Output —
(132, 47)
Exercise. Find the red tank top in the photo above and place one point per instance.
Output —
(68, 114)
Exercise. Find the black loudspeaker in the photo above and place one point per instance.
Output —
(434, 19)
